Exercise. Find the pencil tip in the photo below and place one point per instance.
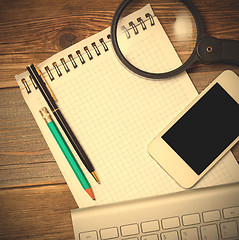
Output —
(95, 177)
(90, 192)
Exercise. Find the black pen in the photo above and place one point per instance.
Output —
(51, 101)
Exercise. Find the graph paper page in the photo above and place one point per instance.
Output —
(115, 114)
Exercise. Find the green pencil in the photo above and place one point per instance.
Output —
(67, 152)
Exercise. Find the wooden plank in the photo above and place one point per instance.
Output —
(220, 18)
(203, 74)
(36, 213)
(25, 157)
(37, 29)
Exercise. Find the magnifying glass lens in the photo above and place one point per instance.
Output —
(149, 41)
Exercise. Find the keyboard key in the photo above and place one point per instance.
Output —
(189, 234)
(109, 233)
(209, 232)
(128, 230)
(229, 229)
(231, 212)
(169, 235)
(150, 237)
(150, 226)
(170, 222)
(88, 235)
(211, 216)
(191, 219)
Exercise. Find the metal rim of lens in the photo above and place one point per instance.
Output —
(193, 57)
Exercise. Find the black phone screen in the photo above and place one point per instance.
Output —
(206, 129)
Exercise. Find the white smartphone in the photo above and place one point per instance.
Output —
(202, 133)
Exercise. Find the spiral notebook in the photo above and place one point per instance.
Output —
(115, 114)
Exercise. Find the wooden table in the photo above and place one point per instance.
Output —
(35, 201)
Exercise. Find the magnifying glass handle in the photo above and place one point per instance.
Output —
(213, 50)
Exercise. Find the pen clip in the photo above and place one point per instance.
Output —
(40, 74)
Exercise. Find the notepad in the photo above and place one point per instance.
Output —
(115, 114)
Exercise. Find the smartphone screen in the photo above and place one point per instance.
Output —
(206, 129)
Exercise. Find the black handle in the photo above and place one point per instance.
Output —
(213, 50)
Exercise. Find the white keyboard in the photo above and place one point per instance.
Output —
(208, 214)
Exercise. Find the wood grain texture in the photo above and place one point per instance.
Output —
(36, 213)
(25, 157)
(35, 201)
(30, 30)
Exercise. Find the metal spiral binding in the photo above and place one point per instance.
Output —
(65, 65)
(57, 69)
(135, 26)
(131, 24)
(66, 61)
(148, 15)
(49, 73)
(96, 48)
(125, 30)
(104, 44)
(24, 82)
(88, 53)
(71, 60)
(80, 56)
(142, 23)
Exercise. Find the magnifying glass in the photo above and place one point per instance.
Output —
(183, 25)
